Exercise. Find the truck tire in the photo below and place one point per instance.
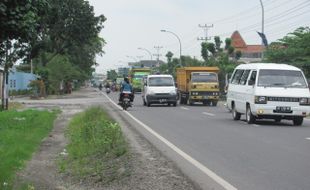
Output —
(297, 121)
(214, 103)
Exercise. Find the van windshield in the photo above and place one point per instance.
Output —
(281, 78)
(204, 77)
(161, 81)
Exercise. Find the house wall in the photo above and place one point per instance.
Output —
(20, 80)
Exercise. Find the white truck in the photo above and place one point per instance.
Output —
(159, 89)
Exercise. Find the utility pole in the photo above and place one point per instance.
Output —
(205, 28)
(158, 54)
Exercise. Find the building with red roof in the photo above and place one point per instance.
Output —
(248, 51)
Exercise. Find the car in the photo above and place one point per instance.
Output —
(159, 89)
(268, 91)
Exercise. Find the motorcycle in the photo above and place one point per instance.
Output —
(125, 103)
(108, 90)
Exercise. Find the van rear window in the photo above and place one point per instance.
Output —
(281, 78)
(161, 81)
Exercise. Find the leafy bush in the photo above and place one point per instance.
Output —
(95, 140)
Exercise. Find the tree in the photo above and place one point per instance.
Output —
(112, 75)
(204, 51)
(170, 66)
(18, 23)
(292, 49)
(218, 44)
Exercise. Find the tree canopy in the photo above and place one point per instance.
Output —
(53, 34)
(292, 49)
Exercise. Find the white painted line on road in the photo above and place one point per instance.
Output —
(187, 157)
(184, 108)
(255, 125)
(308, 138)
(209, 114)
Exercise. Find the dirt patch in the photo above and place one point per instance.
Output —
(144, 167)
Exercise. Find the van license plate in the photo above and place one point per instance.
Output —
(162, 100)
(283, 109)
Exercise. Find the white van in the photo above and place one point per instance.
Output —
(268, 91)
(159, 89)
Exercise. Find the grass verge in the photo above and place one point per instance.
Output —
(97, 151)
(20, 135)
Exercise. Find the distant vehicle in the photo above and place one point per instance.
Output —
(198, 84)
(108, 90)
(268, 91)
(159, 89)
(136, 77)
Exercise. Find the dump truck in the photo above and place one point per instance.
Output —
(198, 84)
(136, 77)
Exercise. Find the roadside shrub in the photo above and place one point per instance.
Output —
(94, 140)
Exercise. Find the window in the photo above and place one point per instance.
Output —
(252, 79)
(204, 77)
(237, 76)
(161, 81)
(244, 77)
(281, 78)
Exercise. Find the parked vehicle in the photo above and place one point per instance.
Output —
(136, 76)
(125, 102)
(159, 89)
(198, 84)
(271, 91)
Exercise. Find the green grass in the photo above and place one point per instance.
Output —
(20, 135)
(96, 149)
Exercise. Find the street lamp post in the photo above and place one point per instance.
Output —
(179, 42)
(147, 52)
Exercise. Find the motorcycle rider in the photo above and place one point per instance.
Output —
(126, 86)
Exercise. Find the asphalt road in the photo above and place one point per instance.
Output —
(261, 156)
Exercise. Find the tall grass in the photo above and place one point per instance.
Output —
(96, 142)
(20, 135)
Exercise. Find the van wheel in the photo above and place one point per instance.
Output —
(250, 118)
(236, 115)
(297, 121)
(175, 104)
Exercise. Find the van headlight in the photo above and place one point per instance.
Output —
(173, 92)
(304, 101)
(260, 99)
(151, 92)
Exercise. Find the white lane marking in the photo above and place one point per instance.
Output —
(255, 125)
(184, 108)
(198, 165)
(308, 138)
(209, 114)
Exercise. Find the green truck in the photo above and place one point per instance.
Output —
(136, 77)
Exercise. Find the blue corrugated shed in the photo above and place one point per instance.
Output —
(20, 80)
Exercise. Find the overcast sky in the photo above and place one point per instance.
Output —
(137, 23)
